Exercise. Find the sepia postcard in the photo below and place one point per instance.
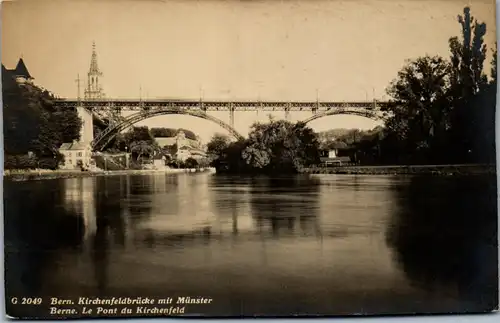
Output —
(230, 158)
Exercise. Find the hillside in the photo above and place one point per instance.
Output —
(333, 134)
(347, 136)
(171, 132)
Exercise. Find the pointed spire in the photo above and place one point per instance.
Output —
(21, 70)
(94, 68)
(93, 88)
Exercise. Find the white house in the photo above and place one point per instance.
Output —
(76, 155)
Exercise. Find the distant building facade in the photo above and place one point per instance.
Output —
(181, 147)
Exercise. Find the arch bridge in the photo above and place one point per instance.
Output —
(111, 109)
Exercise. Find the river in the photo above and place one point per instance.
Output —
(318, 244)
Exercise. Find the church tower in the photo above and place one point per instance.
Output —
(93, 90)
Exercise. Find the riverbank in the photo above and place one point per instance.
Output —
(444, 170)
(43, 174)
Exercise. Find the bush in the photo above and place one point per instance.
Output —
(26, 162)
(48, 163)
(10, 162)
(191, 163)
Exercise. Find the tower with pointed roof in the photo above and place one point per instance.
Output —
(20, 74)
(93, 90)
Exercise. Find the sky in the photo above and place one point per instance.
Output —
(232, 49)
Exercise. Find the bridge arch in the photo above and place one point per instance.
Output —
(111, 132)
(370, 114)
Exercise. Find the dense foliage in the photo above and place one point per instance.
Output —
(217, 145)
(443, 110)
(138, 141)
(273, 147)
(34, 128)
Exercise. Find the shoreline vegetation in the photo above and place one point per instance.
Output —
(439, 170)
(44, 174)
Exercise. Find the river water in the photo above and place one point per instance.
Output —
(325, 244)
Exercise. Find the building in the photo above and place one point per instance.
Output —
(337, 154)
(182, 148)
(77, 155)
(93, 88)
(20, 74)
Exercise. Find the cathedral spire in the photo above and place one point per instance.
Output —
(94, 68)
(93, 89)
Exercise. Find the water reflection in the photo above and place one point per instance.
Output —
(35, 221)
(285, 205)
(324, 244)
(79, 199)
(176, 210)
(445, 234)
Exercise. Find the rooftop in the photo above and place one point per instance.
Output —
(73, 146)
(22, 70)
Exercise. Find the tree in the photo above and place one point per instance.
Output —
(189, 134)
(138, 134)
(118, 144)
(140, 142)
(217, 144)
(191, 163)
(33, 123)
(420, 104)
(21, 117)
(281, 146)
(163, 132)
(494, 65)
(231, 158)
(203, 162)
(57, 126)
(468, 55)
(171, 132)
(170, 150)
(469, 84)
(142, 148)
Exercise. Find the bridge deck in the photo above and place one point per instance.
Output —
(215, 105)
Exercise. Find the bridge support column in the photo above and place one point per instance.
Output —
(315, 108)
(231, 115)
(287, 112)
(87, 129)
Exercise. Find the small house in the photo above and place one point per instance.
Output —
(335, 155)
(76, 155)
